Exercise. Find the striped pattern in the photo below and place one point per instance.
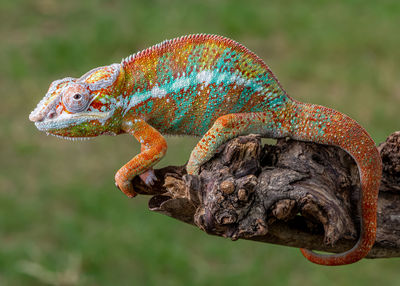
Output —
(194, 79)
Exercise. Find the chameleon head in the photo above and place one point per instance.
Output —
(85, 107)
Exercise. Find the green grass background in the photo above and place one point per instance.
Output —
(62, 221)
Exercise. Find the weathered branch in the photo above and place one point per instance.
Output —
(292, 193)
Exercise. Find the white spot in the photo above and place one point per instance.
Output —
(221, 78)
(180, 83)
(157, 92)
(205, 76)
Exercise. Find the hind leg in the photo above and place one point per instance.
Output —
(227, 127)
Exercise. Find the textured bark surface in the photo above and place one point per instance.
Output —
(292, 193)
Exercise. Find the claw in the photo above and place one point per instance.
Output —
(148, 177)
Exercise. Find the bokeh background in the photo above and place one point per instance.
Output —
(63, 222)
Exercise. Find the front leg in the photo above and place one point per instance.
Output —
(153, 148)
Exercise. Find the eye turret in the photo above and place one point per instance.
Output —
(76, 99)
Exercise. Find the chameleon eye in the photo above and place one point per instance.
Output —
(77, 96)
(76, 101)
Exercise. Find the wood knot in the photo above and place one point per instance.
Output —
(227, 186)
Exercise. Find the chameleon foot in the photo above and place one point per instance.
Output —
(148, 177)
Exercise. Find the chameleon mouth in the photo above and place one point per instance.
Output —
(51, 124)
(70, 120)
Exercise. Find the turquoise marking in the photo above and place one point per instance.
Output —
(191, 81)
(221, 65)
(217, 96)
(183, 104)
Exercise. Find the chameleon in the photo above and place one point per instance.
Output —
(208, 86)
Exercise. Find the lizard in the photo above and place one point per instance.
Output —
(208, 86)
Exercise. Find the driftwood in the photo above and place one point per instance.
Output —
(292, 193)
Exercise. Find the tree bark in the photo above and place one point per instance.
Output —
(293, 193)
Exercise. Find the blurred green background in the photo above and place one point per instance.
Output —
(63, 222)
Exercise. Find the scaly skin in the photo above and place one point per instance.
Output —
(208, 86)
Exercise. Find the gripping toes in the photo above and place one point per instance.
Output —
(148, 177)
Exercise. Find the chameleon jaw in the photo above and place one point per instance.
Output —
(66, 121)
(69, 138)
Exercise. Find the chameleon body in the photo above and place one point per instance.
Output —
(209, 86)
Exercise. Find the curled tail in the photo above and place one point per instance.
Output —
(327, 126)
